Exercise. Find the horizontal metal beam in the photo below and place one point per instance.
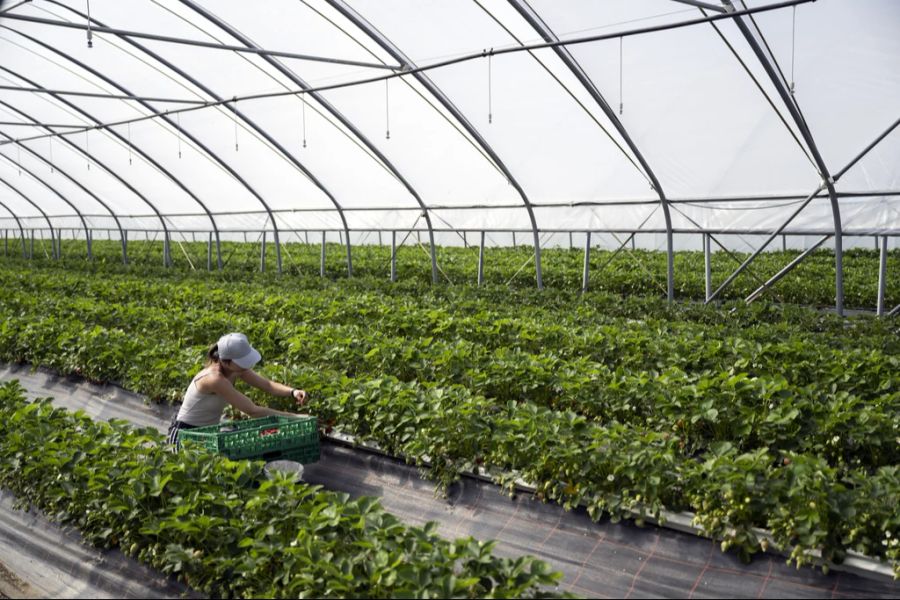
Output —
(818, 233)
(35, 90)
(45, 125)
(199, 43)
(514, 206)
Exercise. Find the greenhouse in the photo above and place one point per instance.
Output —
(572, 298)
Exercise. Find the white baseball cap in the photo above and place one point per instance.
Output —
(236, 347)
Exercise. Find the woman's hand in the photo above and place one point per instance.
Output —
(299, 396)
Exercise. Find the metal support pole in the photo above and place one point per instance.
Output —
(670, 265)
(5, 243)
(587, 262)
(322, 262)
(393, 256)
(570, 241)
(379, 239)
(167, 250)
(633, 237)
(465, 240)
(349, 258)
(262, 254)
(875, 239)
(124, 246)
(894, 311)
(882, 275)
(209, 252)
(481, 260)
(90, 244)
(784, 243)
(31, 249)
(707, 262)
(758, 292)
(514, 239)
(433, 248)
(306, 237)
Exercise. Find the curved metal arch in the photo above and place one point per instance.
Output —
(136, 147)
(19, 223)
(52, 189)
(827, 179)
(533, 19)
(76, 182)
(423, 79)
(338, 115)
(40, 210)
(89, 155)
(223, 163)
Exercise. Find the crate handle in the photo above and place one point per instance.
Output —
(268, 431)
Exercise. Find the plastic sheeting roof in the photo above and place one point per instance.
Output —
(487, 135)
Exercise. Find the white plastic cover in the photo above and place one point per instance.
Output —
(555, 140)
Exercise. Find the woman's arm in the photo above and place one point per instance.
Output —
(223, 388)
(271, 387)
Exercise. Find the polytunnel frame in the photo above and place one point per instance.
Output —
(193, 138)
(40, 210)
(77, 183)
(735, 13)
(290, 74)
(19, 223)
(538, 24)
(166, 249)
(828, 181)
(395, 52)
(89, 156)
(136, 147)
(55, 191)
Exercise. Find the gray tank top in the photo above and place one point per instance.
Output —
(199, 409)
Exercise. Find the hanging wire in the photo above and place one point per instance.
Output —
(793, 39)
(490, 99)
(129, 143)
(621, 105)
(303, 96)
(234, 118)
(387, 112)
(178, 132)
(90, 34)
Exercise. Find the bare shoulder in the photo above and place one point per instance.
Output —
(211, 381)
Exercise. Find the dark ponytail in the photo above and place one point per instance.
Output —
(212, 355)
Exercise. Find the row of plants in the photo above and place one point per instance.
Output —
(712, 388)
(641, 272)
(225, 528)
(424, 381)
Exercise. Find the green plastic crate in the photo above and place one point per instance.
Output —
(266, 438)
